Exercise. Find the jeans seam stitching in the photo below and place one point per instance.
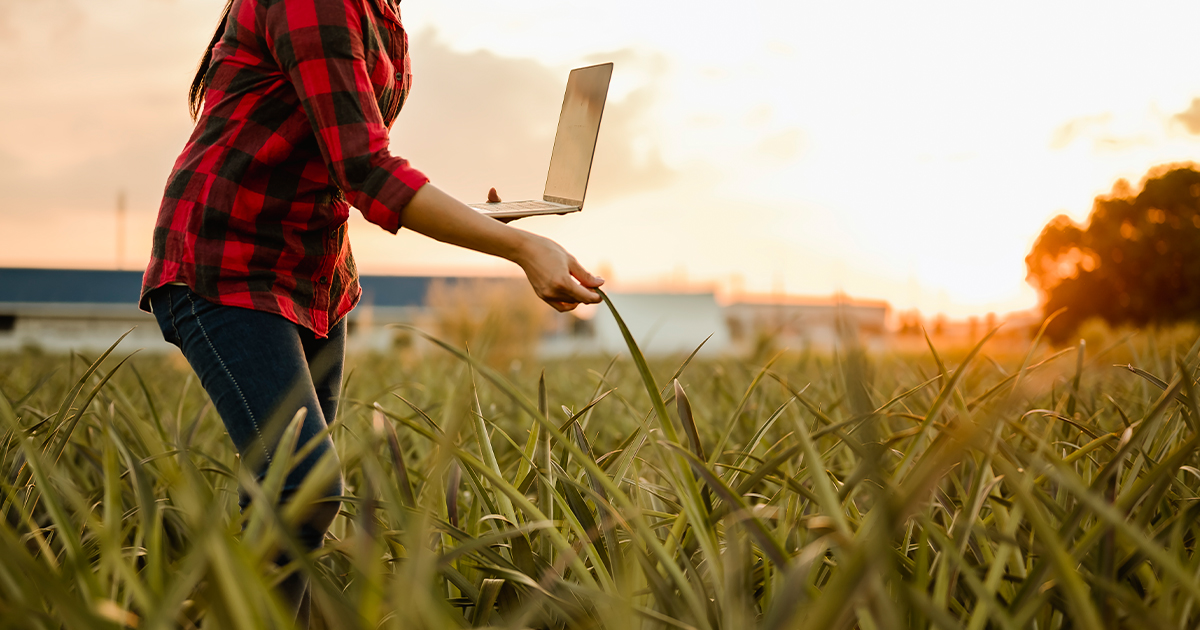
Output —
(171, 312)
(253, 420)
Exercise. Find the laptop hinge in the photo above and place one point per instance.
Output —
(563, 200)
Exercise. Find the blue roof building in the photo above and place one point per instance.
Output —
(20, 286)
(88, 309)
(68, 286)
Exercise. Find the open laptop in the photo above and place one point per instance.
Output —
(574, 146)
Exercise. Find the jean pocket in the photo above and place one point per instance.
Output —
(162, 304)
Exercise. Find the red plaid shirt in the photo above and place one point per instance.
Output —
(293, 132)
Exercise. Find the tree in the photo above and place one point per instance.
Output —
(1136, 260)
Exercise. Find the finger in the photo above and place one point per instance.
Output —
(562, 291)
(571, 291)
(585, 277)
(556, 294)
(562, 307)
(493, 196)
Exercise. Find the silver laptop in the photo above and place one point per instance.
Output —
(574, 146)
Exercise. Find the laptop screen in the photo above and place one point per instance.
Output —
(575, 141)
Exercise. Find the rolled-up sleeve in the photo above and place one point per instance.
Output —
(319, 46)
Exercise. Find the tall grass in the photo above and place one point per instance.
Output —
(1047, 490)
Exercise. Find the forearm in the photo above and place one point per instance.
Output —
(553, 273)
(439, 216)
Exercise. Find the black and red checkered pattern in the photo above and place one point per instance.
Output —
(294, 131)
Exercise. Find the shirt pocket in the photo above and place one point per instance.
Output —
(387, 64)
(383, 75)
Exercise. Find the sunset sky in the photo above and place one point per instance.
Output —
(901, 151)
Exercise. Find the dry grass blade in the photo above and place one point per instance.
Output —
(453, 481)
(689, 424)
(397, 460)
(489, 592)
(684, 409)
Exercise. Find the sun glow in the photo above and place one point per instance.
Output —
(905, 152)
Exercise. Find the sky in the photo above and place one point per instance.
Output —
(909, 152)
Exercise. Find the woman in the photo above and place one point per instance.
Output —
(250, 272)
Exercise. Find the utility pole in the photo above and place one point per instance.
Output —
(120, 229)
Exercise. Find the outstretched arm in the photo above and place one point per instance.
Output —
(555, 275)
(319, 45)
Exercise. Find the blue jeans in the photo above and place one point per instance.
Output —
(259, 369)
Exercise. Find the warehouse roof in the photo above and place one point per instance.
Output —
(98, 286)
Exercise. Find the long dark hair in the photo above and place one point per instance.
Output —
(200, 82)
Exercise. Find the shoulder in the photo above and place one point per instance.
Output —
(302, 9)
(332, 22)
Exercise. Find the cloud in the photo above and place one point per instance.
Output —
(1107, 133)
(74, 134)
(1076, 127)
(477, 119)
(85, 113)
(1190, 117)
(1119, 143)
(783, 146)
(627, 158)
(81, 122)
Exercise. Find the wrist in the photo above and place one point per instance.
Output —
(520, 250)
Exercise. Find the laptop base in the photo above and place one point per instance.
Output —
(520, 209)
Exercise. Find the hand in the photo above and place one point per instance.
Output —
(556, 277)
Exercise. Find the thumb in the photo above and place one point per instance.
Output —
(493, 196)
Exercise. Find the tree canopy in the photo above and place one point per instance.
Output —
(1135, 261)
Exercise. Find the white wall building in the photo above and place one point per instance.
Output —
(800, 323)
(661, 323)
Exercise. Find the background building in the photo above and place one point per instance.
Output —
(800, 323)
(661, 324)
(61, 310)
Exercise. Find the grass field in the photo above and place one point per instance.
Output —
(971, 488)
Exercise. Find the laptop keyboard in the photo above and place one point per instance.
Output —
(516, 205)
